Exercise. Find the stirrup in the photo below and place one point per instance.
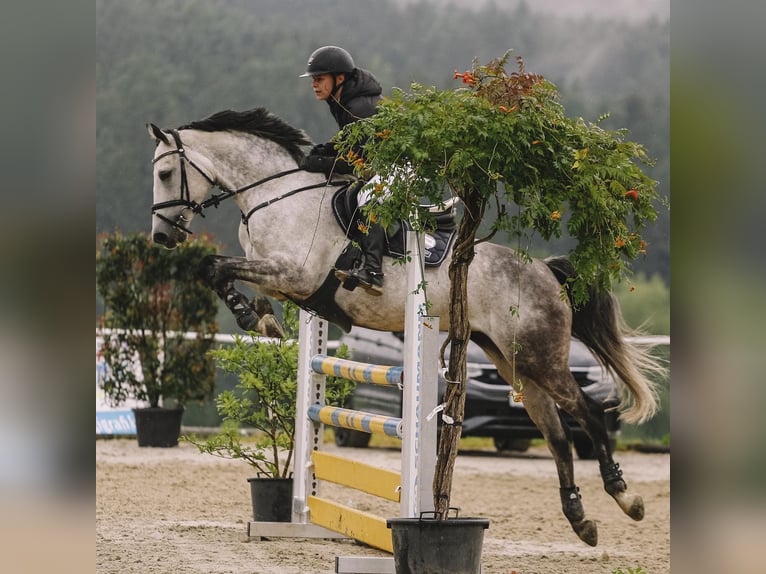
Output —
(367, 281)
(343, 274)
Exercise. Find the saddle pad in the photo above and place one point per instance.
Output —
(437, 242)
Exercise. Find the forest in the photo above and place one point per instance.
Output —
(170, 62)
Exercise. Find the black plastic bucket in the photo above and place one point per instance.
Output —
(430, 546)
(272, 499)
(157, 426)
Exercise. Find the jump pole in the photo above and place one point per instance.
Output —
(419, 397)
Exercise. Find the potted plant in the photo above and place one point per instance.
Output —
(264, 401)
(158, 324)
(503, 139)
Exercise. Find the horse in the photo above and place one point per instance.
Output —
(291, 240)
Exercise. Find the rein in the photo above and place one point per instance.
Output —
(246, 217)
(215, 199)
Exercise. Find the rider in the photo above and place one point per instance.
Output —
(352, 94)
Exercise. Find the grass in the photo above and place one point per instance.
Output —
(484, 443)
(466, 443)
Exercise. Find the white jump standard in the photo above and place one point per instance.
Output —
(316, 517)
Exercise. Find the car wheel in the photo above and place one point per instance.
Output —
(506, 443)
(347, 437)
(585, 449)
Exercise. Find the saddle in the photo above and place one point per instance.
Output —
(437, 242)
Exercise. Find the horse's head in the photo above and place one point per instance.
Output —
(181, 181)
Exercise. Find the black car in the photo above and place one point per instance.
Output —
(489, 409)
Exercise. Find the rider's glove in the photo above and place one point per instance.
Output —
(317, 163)
(325, 149)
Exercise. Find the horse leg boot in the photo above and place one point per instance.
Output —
(571, 500)
(611, 475)
(236, 302)
(617, 488)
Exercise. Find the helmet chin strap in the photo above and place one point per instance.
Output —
(336, 86)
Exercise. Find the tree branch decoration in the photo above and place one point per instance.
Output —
(503, 137)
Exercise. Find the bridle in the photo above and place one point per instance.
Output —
(216, 198)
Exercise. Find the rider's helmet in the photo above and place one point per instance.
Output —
(329, 60)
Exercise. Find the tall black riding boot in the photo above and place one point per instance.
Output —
(369, 275)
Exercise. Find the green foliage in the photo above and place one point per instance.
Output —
(630, 570)
(264, 399)
(151, 298)
(505, 139)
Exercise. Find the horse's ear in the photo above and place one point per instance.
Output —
(157, 134)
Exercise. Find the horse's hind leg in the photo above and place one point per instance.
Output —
(216, 271)
(590, 415)
(543, 412)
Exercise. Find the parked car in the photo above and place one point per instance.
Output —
(490, 411)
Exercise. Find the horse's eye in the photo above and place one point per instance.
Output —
(165, 174)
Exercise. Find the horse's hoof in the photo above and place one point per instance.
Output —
(268, 326)
(587, 531)
(632, 506)
(206, 270)
(636, 509)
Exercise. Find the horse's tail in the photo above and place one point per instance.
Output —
(599, 324)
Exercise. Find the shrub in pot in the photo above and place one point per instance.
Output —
(264, 401)
(152, 300)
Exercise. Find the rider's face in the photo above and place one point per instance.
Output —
(323, 85)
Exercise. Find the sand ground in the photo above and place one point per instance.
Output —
(178, 511)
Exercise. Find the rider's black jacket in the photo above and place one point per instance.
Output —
(358, 99)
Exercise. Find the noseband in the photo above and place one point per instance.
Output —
(185, 199)
(216, 198)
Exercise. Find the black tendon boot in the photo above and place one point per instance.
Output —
(370, 276)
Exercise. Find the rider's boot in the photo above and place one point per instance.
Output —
(370, 276)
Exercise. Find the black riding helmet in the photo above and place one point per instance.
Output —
(329, 60)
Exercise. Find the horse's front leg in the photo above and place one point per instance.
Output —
(542, 410)
(219, 273)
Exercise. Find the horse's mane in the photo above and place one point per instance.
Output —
(259, 122)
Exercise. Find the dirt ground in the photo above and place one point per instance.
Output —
(178, 511)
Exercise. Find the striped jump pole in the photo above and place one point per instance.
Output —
(356, 420)
(359, 372)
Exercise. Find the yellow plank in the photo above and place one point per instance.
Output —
(359, 525)
(358, 475)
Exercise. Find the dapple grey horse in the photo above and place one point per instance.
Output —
(291, 240)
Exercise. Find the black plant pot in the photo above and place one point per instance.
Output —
(431, 546)
(157, 426)
(272, 499)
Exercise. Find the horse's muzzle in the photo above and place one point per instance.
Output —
(163, 239)
(169, 237)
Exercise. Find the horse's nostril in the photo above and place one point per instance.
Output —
(161, 238)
